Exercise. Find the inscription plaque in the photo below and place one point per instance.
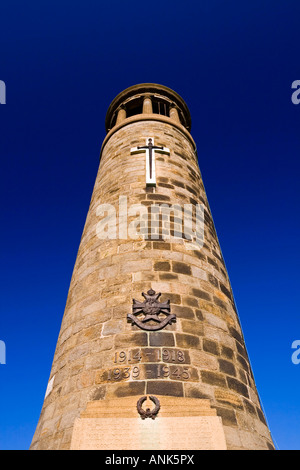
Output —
(148, 363)
(192, 424)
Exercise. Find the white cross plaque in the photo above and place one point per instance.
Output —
(150, 149)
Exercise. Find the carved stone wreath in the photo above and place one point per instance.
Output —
(148, 413)
(156, 314)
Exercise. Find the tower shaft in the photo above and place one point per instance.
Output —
(150, 310)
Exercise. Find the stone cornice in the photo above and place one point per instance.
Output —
(148, 117)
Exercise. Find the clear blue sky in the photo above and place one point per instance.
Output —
(233, 63)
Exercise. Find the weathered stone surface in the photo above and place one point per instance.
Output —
(237, 386)
(193, 327)
(227, 367)
(227, 415)
(165, 388)
(228, 398)
(213, 378)
(187, 341)
(211, 346)
(161, 266)
(181, 268)
(160, 338)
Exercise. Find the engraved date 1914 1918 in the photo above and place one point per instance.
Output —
(172, 355)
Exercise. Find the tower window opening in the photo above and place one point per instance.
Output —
(134, 107)
(161, 107)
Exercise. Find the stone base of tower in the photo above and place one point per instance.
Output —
(181, 424)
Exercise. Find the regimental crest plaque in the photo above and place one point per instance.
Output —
(151, 315)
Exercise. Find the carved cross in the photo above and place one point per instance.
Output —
(150, 149)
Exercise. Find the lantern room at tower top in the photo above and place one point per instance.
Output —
(147, 98)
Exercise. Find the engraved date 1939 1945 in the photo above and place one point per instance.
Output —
(148, 371)
(149, 363)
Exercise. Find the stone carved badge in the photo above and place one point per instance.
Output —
(151, 314)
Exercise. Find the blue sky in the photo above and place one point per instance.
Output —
(233, 63)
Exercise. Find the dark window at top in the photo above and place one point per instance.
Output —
(161, 107)
(134, 107)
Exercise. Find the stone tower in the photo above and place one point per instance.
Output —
(150, 342)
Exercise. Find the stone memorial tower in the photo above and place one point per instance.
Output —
(150, 353)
